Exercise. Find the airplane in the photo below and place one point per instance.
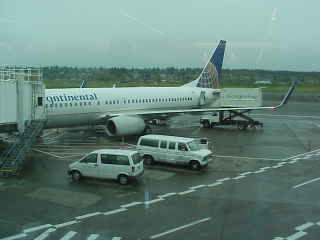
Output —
(127, 110)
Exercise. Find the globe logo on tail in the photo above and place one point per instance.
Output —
(209, 77)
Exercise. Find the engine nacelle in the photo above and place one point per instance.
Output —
(125, 125)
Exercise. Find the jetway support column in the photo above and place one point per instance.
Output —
(21, 124)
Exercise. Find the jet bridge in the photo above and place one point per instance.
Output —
(22, 110)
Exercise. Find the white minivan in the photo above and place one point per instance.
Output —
(118, 164)
(172, 149)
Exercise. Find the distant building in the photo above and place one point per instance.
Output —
(264, 82)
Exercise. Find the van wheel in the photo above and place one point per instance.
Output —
(76, 175)
(148, 160)
(123, 179)
(194, 165)
(206, 124)
(242, 126)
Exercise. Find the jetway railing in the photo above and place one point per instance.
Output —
(12, 159)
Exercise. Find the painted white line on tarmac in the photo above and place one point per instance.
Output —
(239, 177)
(88, 215)
(293, 161)
(131, 204)
(66, 224)
(180, 228)
(69, 235)
(278, 115)
(15, 237)
(93, 236)
(301, 154)
(304, 226)
(264, 168)
(167, 195)
(214, 184)
(115, 211)
(277, 166)
(47, 153)
(153, 201)
(186, 192)
(70, 153)
(37, 228)
(302, 184)
(257, 158)
(296, 235)
(45, 234)
(282, 163)
(199, 186)
(223, 179)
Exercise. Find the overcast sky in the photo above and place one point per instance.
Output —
(264, 34)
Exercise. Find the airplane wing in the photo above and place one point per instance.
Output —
(202, 110)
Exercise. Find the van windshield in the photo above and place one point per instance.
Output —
(136, 158)
(193, 146)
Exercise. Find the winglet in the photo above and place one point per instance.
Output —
(84, 83)
(286, 98)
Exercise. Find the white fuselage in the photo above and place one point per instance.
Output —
(89, 106)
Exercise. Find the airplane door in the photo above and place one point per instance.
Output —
(202, 99)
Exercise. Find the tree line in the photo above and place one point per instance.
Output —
(171, 74)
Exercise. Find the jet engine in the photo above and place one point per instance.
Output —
(125, 125)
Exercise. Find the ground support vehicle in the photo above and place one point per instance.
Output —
(233, 118)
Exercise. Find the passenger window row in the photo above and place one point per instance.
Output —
(149, 100)
(110, 102)
(75, 104)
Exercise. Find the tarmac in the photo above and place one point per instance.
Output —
(261, 184)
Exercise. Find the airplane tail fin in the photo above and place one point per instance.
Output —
(210, 76)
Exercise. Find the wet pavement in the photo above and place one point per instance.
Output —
(261, 184)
